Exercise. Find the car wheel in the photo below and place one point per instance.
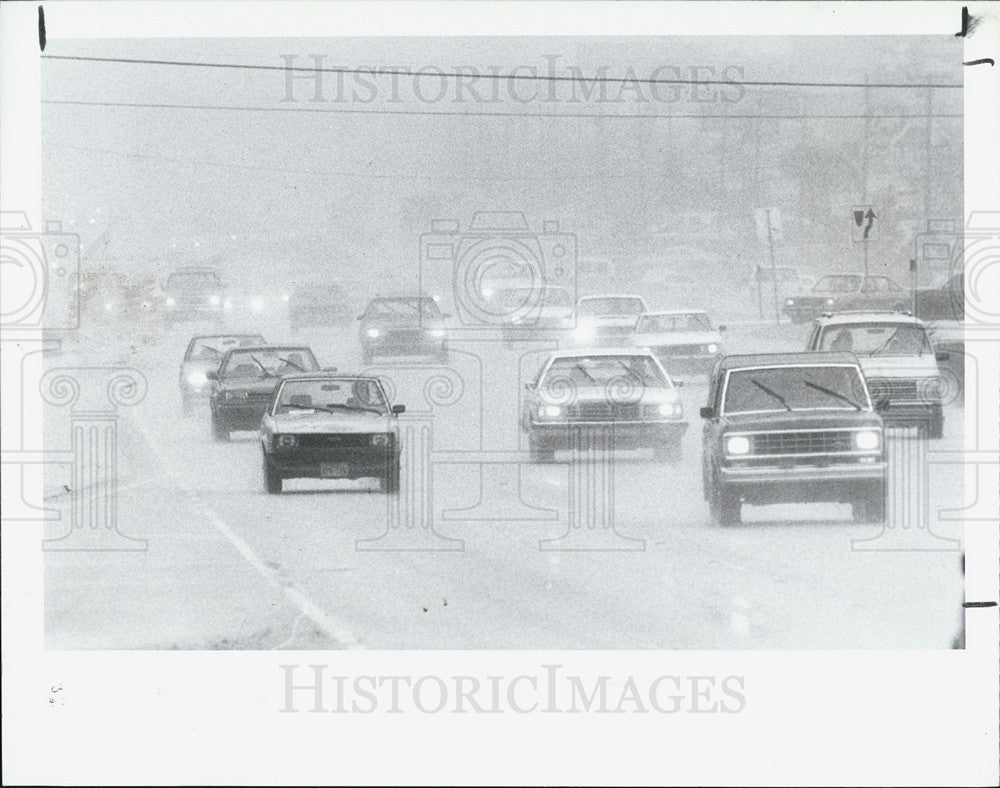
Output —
(724, 507)
(272, 479)
(668, 452)
(390, 482)
(219, 431)
(870, 507)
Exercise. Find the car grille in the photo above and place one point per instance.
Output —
(401, 335)
(819, 442)
(604, 411)
(335, 441)
(893, 389)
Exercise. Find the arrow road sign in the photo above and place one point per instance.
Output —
(864, 223)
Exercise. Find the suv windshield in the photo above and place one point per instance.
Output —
(306, 396)
(604, 371)
(880, 339)
(616, 305)
(269, 363)
(191, 281)
(795, 388)
(214, 348)
(839, 283)
(693, 321)
(403, 307)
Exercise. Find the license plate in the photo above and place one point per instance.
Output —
(333, 470)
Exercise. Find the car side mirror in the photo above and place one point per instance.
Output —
(722, 329)
(942, 356)
(397, 409)
(212, 375)
(707, 412)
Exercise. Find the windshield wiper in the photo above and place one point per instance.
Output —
(834, 394)
(291, 364)
(771, 393)
(263, 369)
(885, 344)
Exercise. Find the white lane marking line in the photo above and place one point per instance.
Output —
(332, 628)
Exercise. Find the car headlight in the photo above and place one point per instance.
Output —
(549, 411)
(373, 332)
(380, 439)
(789, 301)
(215, 300)
(437, 332)
(286, 441)
(829, 302)
(171, 301)
(737, 445)
(931, 389)
(197, 378)
(866, 439)
(671, 410)
(712, 348)
(284, 297)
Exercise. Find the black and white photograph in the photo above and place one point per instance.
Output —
(432, 360)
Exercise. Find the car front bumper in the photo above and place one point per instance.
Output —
(239, 416)
(621, 434)
(355, 462)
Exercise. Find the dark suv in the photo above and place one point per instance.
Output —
(403, 326)
(792, 428)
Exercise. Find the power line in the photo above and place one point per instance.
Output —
(466, 114)
(523, 77)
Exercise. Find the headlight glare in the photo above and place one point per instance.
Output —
(866, 439)
(549, 411)
(215, 300)
(197, 378)
(738, 445)
(373, 332)
(437, 332)
(712, 348)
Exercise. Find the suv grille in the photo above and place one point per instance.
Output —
(822, 442)
(895, 389)
(335, 441)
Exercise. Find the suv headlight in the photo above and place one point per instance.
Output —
(672, 410)
(285, 441)
(373, 332)
(932, 388)
(437, 332)
(737, 445)
(549, 411)
(380, 439)
(866, 439)
(197, 378)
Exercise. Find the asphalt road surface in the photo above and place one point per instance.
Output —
(479, 554)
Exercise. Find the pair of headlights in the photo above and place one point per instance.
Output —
(864, 440)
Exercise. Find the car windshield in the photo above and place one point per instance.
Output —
(190, 281)
(331, 395)
(269, 362)
(602, 371)
(880, 339)
(830, 387)
(838, 283)
(214, 348)
(549, 296)
(616, 305)
(691, 321)
(402, 307)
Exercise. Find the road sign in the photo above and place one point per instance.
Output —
(863, 223)
(768, 225)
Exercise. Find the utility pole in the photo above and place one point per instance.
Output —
(929, 160)
(774, 269)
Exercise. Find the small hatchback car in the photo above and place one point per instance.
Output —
(792, 428)
(624, 389)
(685, 341)
(899, 362)
(403, 326)
(245, 380)
(203, 356)
(327, 426)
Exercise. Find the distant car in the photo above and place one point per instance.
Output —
(840, 292)
(194, 293)
(403, 326)
(792, 428)
(203, 355)
(328, 426)
(898, 360)
(318, 305)
(243, 385)
(684, 340)
(607, 320)
(625, 389)
(533, 310)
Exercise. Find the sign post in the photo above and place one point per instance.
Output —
(864, 222)
(769, 230)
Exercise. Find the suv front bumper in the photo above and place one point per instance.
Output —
(801, 483)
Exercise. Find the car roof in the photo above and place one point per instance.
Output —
(610, 295)
(602, 351)
(226, 336)
(268, 347)
(327, 375)
(846, 318)
(811, 358)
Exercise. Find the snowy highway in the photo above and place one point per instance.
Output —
(320, 566)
